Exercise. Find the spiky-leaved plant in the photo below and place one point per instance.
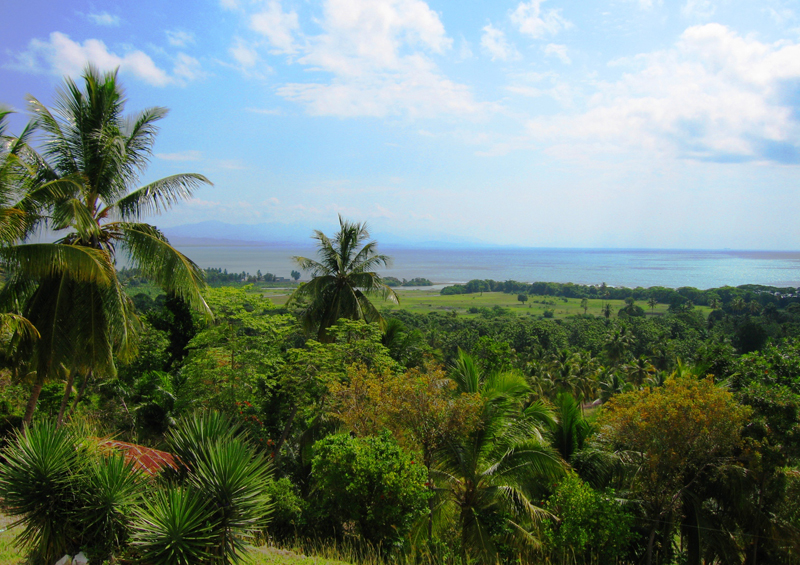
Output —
(110, 489)
(229, 475)
(38, 488)
(174, 527)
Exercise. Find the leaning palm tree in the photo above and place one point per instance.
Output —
(92, 157)
(342, 280)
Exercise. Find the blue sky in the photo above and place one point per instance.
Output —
(544, 123)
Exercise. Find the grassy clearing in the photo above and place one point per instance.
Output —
(328, 555)
(424, 301)
(8, 553)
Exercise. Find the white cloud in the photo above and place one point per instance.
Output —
(277, 26)
(182, 156)
(245, 55)
(559, 51)
(374, 58)
(62, 56)
(715, 96)
(187, 68)
(532, 20)
(104, 19)
(179, 37)
(701, 9)
(495, 42)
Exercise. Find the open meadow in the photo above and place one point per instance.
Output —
(424, 301)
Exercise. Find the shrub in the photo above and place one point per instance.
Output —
(369, 482)
(591, 527)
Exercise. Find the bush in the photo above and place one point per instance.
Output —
(591, 528)
(287, 509)
(369, 482)
(109, 492)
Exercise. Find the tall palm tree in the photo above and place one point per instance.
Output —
(342, 280)
(92, 157)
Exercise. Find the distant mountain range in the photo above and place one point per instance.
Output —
(213, 232)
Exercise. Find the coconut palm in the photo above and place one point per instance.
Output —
(492, 473)
(92, 157)
(342, 280)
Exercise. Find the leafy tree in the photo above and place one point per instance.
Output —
(585, 305)
(94, 154)
(419, 407)
(671, 435)
(342, 280)
(295, 275)
(234, 352)
(523, 298)
(369, 482)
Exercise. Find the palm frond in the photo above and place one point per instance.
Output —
(150, 252)
(42, 260)
(160, 195)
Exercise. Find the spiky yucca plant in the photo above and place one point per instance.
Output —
(38, 488)
(174, 527)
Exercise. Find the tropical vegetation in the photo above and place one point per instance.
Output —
(626, 433)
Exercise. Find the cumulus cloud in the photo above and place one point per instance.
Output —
(277, 26)
(495, 42)
(244, 54)
(715, 96)
(104, 19)
(532, 20)
(60, 55)
(374, 58)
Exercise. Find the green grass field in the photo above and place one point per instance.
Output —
(424, 301)
(9, 555)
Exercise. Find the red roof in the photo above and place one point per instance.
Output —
(146, 459)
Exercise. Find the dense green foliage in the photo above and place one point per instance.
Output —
(370, 482)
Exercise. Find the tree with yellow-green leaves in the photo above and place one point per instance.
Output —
(671, 436)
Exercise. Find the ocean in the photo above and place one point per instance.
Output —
(615, 267)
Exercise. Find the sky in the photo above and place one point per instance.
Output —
(540, 123)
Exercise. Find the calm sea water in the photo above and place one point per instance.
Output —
(615, 267)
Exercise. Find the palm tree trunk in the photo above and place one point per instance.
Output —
(32, 399)
(65, 398)
(78, 398)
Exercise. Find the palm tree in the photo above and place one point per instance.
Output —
(92, 158)
(342, 280)
(492, 473)
(638, 370)
(652, 303)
